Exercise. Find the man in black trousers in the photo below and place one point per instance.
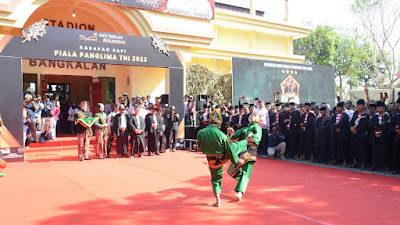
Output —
(137, 127)
(173, 128)
(292, 122)
(341, 135)
(307, 133)
(152, 131)
(120, 127)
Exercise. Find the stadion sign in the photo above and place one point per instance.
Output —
(203, 9)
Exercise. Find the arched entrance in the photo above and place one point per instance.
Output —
(88, 15)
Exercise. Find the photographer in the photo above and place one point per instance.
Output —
(47, 108)
(31, 117)
(173, 128)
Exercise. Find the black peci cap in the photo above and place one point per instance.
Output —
(307, 103)
(323, 108)
(380, 104)
(361, 102)
(340, 104)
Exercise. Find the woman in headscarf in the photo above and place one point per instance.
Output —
(100, 129)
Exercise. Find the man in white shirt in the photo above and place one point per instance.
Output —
(348, 105)
(264, 124)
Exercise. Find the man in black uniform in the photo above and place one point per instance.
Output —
(292, 123)
(359, 137)
(152, 131)
(277, 118)
(322, 132)
(307, 120)
(395, 126)
(173, 128)
(341, 135)
(380, 125)
(228, 120)
(120, 129)
(204, 116)
(240, 120)
(137, 129)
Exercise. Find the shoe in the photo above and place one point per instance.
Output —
(88, 159)
(371, 169)
(81, 159)
(162, 151)
(108, 156)
(283, 158)
(353, 166)
(149, 154)
(157, 153)
(141, 156)
(265, 156)
(132, 157)
(101, 158)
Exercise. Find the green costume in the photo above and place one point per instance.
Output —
(101, 121)
(214, 143)
(243, 175)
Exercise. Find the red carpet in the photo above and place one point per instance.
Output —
(52, 187)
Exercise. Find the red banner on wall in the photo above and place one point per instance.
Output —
(203, 9)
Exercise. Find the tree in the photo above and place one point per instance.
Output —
(325, 47)
(380, 19)
(318, 47)
(200, 80)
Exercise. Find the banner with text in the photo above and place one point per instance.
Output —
(95, 47)
(294, 82)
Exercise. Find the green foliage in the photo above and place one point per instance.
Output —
(319, 47)
(380, 20)
(200, 80)
(325, 47)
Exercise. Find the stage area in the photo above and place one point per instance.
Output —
(52, 187)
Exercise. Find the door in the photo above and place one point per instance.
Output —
(96, 93)
(43, 85)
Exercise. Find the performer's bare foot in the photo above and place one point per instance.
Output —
(238, 196)
(218, 202)
(241, 162)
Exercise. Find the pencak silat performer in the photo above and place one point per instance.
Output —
(212, 142)
(241, 170)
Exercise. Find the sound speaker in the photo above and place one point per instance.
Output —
(191, 132)
(201, 101)
(165, 99)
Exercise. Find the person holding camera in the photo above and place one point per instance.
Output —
(31, 107)
(173, 128)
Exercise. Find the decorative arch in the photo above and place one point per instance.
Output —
(105, 17)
